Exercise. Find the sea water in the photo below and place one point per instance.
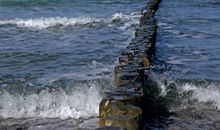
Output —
(57, 57)
(187, 59)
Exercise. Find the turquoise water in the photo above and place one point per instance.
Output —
(57, 57)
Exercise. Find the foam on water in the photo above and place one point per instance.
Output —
(191, 92)
(47, 22)
(42, 23)
(209, 93)
(79, 102)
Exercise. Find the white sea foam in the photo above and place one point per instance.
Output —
(81, 102)
(210, 93)
(202, 93)
(43, 22)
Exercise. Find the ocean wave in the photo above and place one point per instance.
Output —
(189, 91)
(203, 94)
(43, 22)
(79, 102)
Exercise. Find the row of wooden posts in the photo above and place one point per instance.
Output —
(121, 107)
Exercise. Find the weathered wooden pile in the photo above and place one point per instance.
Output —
(122, 107)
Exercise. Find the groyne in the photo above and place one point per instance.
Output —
(123, 106)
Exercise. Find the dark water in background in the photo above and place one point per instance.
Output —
(188, 62)
(56, 58)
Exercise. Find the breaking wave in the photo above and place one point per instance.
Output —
(80, 101)
(198, 92)
(43, 22)
(189, 91)
(209, 93)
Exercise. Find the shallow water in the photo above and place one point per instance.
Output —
(57, 57)
(187, 60)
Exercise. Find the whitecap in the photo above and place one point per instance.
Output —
(210, 93)
(189, 91)
(80, 102)
(47, 22)
(42, 23)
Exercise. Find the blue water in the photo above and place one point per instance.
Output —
(188, 61)
(189, 38)
(59, 37)
(57, 57)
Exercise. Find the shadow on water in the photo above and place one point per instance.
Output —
(156, 107)
(180, 104)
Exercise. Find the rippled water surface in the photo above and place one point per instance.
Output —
(189, 38)
(56, 58)
(189, 57)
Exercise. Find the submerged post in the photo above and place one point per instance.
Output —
(122, 107)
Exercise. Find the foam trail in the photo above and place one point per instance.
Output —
(80, 102)
(43, 23)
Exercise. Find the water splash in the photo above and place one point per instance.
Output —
(191, 91)
(204, 94)
(79, 102)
